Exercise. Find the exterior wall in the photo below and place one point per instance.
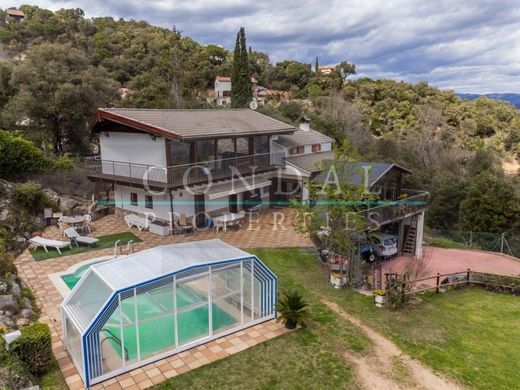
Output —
(134, 148)
(220, 88)
(161, 203)
(326, 146)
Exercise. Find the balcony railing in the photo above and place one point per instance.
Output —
(186, 174)
(392, 211)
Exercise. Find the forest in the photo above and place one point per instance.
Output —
(56, 68)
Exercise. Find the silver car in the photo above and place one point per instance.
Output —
(385, 245)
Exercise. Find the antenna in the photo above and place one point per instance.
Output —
(254, 104)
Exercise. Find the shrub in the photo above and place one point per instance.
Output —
(34, 348)
(30, 197)
(292, 309)
(6, 261)
(13, 373)
(18, 155)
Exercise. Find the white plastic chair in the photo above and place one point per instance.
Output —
(88, 220)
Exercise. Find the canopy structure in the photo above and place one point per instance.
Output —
(133, 310)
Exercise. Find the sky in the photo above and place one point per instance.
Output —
(466, 45)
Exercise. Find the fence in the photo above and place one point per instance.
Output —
(495, 282)
(492, 242)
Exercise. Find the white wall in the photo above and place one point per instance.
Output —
(326, 146)
(133, 147)
(161, 203)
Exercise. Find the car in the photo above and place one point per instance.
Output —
(385, 245)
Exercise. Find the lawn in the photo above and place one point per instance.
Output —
(305, 359)
(469, 334)
(103, 243)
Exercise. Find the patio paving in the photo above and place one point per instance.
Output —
(265, 230)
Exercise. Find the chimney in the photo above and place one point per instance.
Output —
(305, 123)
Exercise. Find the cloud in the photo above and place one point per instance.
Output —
(466, 45)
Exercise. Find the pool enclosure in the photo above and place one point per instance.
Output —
(136, 309)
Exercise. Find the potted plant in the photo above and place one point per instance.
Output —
(292, 309)
(337, 279)
(380, 297)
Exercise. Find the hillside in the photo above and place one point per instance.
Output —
(513, 98)
(58, 67)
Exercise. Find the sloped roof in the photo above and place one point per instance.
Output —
(309, 162)
(301, 137)
(15, 12)
(355, 172)
(102, 280)
(191, 124)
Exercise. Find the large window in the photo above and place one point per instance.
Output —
(179, 153)
(133, 199)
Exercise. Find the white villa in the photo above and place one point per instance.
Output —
(203, 163)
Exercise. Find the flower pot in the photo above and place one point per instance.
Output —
(338, 281)
(380, 300)
(290, 324)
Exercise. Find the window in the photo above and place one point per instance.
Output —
(179, 153)
(316, 148)
(133, 199)
(297, 150)
(148, 202)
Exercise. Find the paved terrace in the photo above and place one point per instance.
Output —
(270, 231)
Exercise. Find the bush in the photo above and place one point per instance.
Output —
(6, 261)
(34, 348)
(13, 373)
(30, 197)
(18, 155)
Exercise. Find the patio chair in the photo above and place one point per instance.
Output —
(46, 242)
(137, 221)
(74, 236)
(255, 209)
(184, 225)
(218, 224)
(88, 220)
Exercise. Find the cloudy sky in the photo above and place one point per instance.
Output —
(466, 45)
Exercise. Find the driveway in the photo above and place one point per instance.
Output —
(445, 261)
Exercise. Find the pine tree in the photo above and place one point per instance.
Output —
(241, 89)
(316, 67)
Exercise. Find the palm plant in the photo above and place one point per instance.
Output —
(292, 309)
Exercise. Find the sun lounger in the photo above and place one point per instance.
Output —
(137, 221)
(46, 242)
(73, 235)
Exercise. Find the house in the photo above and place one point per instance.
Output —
(221, 94)
(14, 15)
(192, 162)
(202, 163)
(327, 69)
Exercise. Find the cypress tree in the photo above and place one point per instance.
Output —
(241, 89)
(316, 67)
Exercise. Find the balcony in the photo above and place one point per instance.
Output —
(383, 212)
(181, 175)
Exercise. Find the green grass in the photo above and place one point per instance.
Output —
(53, 379)
(443, 242)
(304, 359)
(469, 334)
(103, 243)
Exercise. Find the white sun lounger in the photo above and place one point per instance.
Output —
(73, 235)
(46, 242)
(137, 221)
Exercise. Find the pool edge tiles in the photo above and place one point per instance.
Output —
(57, 277)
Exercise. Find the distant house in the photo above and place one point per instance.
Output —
(328, 69)
(14, 15)
(221, 94)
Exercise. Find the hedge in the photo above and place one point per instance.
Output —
(34, 348)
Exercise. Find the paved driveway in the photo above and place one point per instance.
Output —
(446, 261)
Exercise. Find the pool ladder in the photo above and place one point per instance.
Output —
(118, 248)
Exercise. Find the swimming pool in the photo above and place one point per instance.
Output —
(73, 278)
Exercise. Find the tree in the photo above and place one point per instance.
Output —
(316, 67)
(241, 88)
(491, 205)
(18, 156)
(57, 92)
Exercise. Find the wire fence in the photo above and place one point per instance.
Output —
(492, 242)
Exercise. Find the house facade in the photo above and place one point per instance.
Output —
(203, 163)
